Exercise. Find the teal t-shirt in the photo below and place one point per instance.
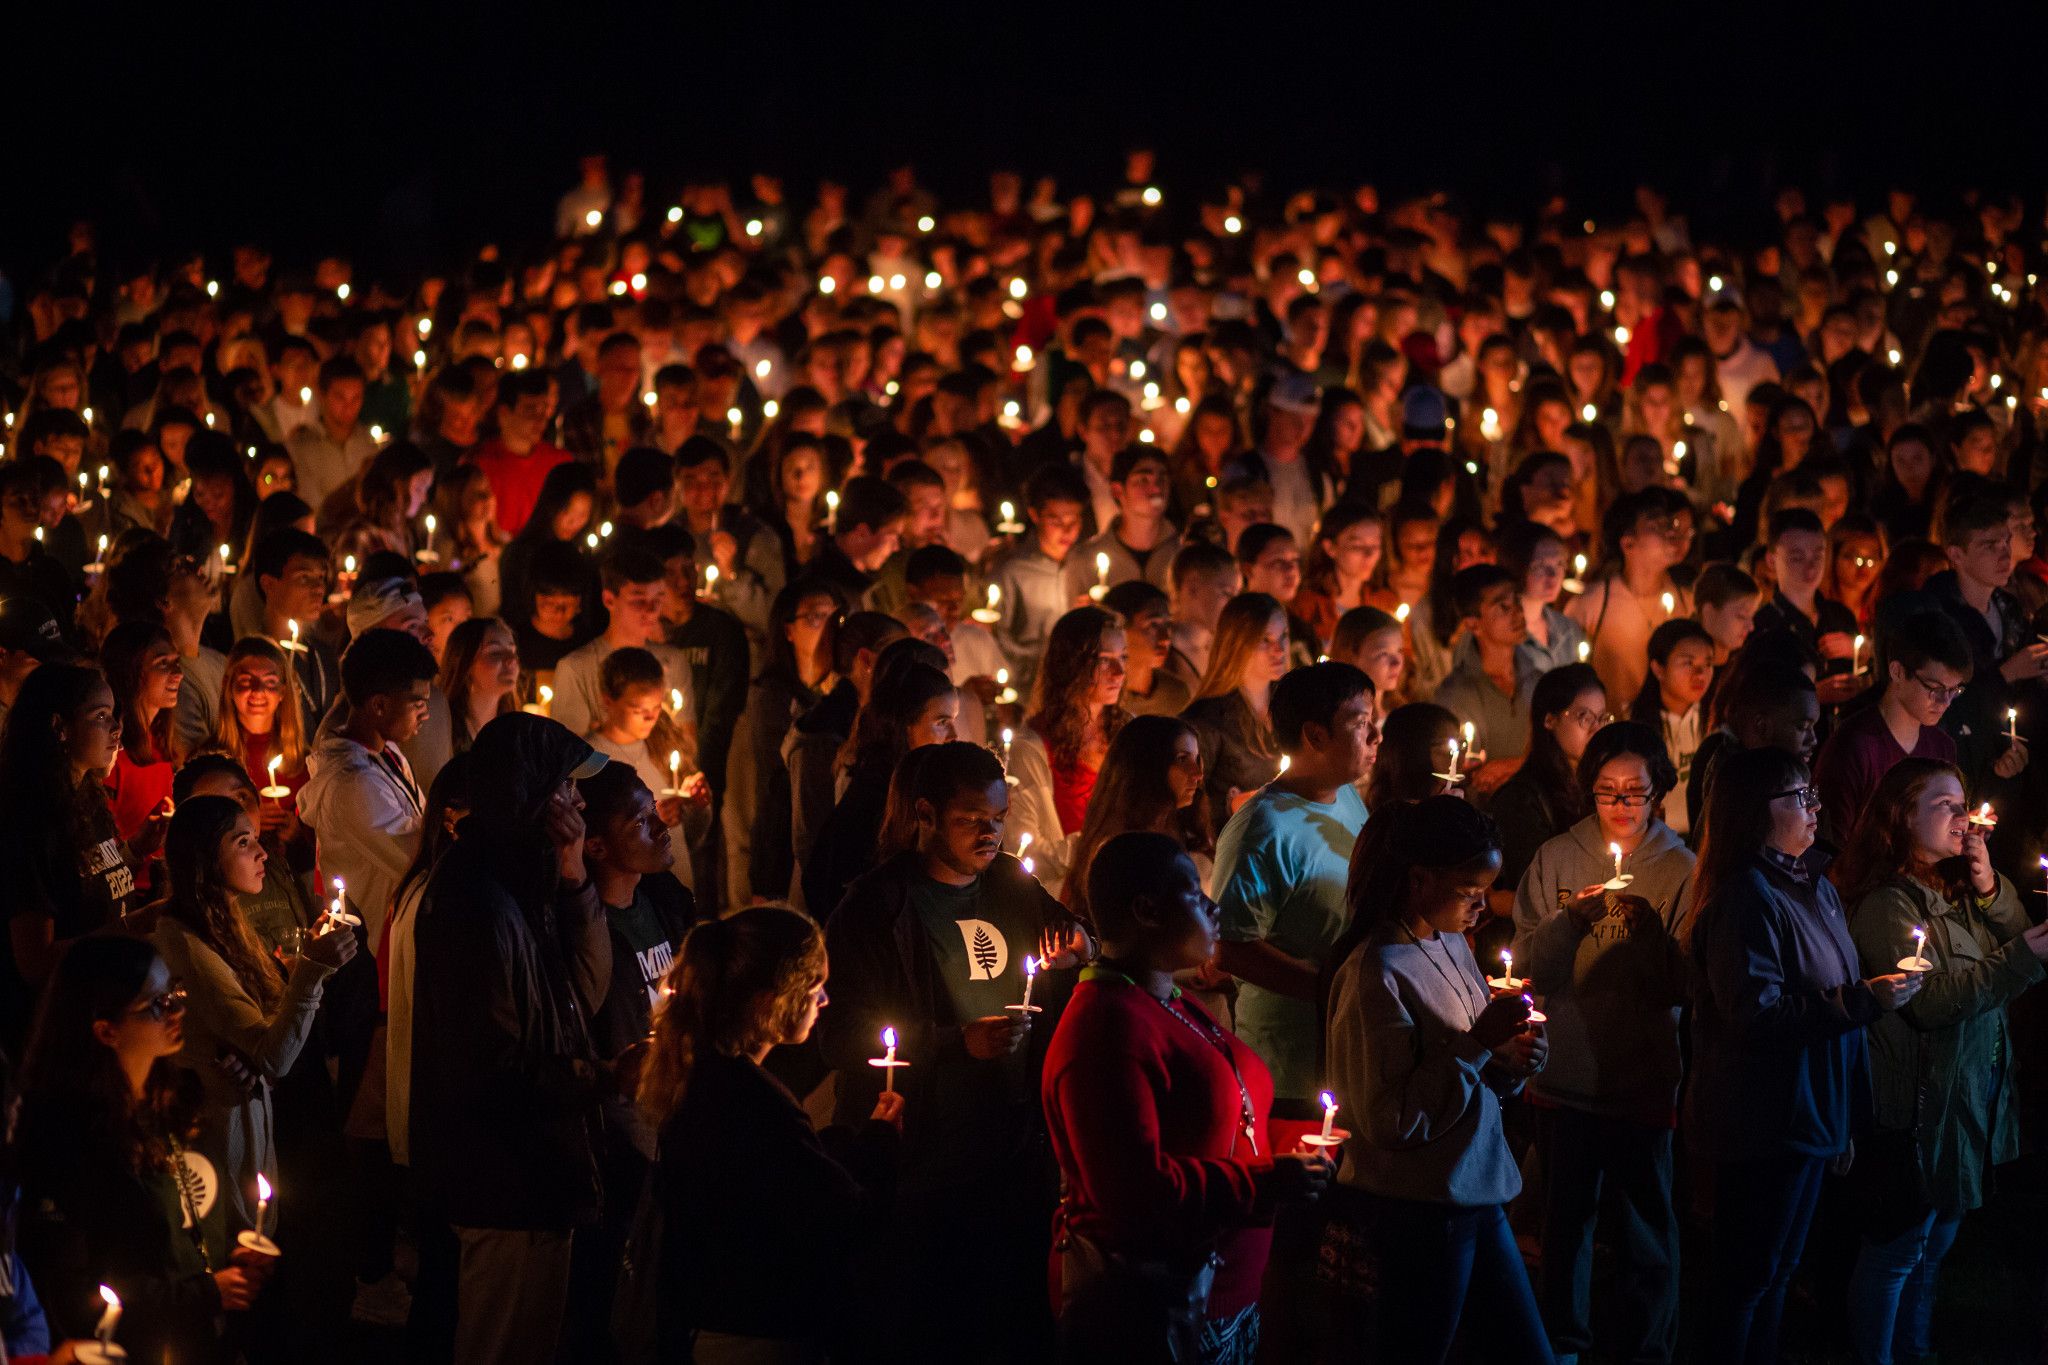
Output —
(1281, 865)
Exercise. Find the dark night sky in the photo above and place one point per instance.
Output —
(410, 135)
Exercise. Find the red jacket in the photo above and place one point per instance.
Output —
(1144, 1118)
(516, 479)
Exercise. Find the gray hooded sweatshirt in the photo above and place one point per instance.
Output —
(1612, 991)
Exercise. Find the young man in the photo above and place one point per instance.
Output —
(1139, 540)
(643, 487)
(1281, 867)
(1490, 681)
(2006, 660)
(332, 449)
(1149, 690)
(291, 568)
(924, 525)
(362, 802)
(932, 944)
(1619, 612)
(1927, 665)
(635, 585)
(1777, 708)
(713, 644)
(1798, 548)
(603, 427)
(517, 460)
(1105, 435)
(513, 955)
(1270, 560)
(1041, 578)
(26, 569)
(1205, 577)
(867, 529)
(746, 554)
(936, 576)
(635, 698)
(1301, 493)
(396, 604)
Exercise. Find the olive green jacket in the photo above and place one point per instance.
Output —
(1941, 1066)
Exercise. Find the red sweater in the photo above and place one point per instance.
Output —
(516, 479)
(1143, 1114)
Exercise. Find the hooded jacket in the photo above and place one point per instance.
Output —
(1612, 991)
(510, 965)
(367, 823)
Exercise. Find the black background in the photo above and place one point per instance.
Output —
(402, 135)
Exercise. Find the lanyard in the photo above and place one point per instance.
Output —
(1247, 1116)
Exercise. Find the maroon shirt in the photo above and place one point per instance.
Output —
(1144, 1116)
(1856, 758)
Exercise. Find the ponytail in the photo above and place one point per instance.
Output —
(711, 1000)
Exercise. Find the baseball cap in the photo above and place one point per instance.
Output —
(27, 627)
(380, 597)
(1424, 412)
(1295, 393)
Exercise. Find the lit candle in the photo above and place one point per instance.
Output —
(1286, 762)
(1455, 769)
(1615, 849)
(2044, 876)
(262, 1201)
(225, 567)
(888, 1062)
(1101, 588)
(989, 615)
(1030, 979)
(1401, 613)
(1536, 1016)
(2012, 723)
(1919, 944)
(109, 1320)
(1585, 650)
(1507, 967)
(547, 700)
(1008, 735)
(348, 564)
(1329, 1115)
(1668, 602)
(675, 701)
(1008, 694)
(1856, 654)
(1983, 817)
(1471, 734)
(710, 579)
(675, 771)
(1009, 524)
(831, 511)
(1024, 842)
(276, 791)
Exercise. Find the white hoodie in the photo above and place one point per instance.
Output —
(366, 819)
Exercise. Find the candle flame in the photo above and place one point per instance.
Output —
(889, 1037)
(262, 1186)
(547, 695)
(274, 762)
(1009, 517)
(1401, 613)
(109, 1297)
(1615, 849)
(675, 699)
(1329, 1100)
(995, 595)
(1286, 762)
(1102, 562)
(1031, 965)
(1007, 734)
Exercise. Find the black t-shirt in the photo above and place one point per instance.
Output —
(540, 653)
(714, 646)
(82, 881)
(645, 935)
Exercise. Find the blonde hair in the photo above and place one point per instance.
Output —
(288, 731)
(1240, 633)
(711, 998)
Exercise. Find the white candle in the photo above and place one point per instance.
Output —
(1919, 944)
(889, 1061)
(1615, 849)
(1401, 613)
(675, 770)
(1329, 1114)
(547, 699)
(1585, 650)
(348, 564)
(831, 511)
(430, 526)
(1008, 735)
(1668, 602)
(2012, 723)
(1102, 569)
(1024, 842)
(1471, 734)
(710, 579)
(675, 701)
(224, 558)
(262, 1201)
(1286, 762)
(1009, 515)
(1856, 655)
(1507, 966)
(110, 1319)
(293, 626)
(1455, 769)
(275, 761)
(1030, 977)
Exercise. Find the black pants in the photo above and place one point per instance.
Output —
(966, 1276)
(1585, 1157)
(1762, 1212)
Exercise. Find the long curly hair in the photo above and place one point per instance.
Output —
(202, 901)
(127, 648)
(711, 997)
(1881, 845)
(1061, 709)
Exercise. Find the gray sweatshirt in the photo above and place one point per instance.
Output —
(1421, 1097)
(1612, 992)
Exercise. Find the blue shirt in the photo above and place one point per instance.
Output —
(1281, 865)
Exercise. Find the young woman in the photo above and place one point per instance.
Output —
(221, 502)
(1404, 571)
(66, 870)
(1607, 968)
(1941, 1068)
(1342, 560)
(479, 676)
(1779, 1013)
(1535, 554)
(1633, 591)
(802, 629)
(1338, 436)
(797, 515)
(740, 1162)
(1372, 641)
(910, 704)
(1672, 699)
(143, 668)
(1229, 715)
(390, 494)
(1856, 557)
(1910, 479)
(1076, 713)
(1425, 1058)
(1151, 780)
(1433, 626)
(1415, 745)
(112, 1192)
(1788, 435)
(239, 1009)
(1156, 1114)
(260, 719)
(138, 498)
(1543, 798)
(1206, 444)
(467, 537)
(562, 511)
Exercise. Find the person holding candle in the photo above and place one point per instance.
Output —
(333, 444)
(383, 505)
(803, 634)
(1681, 667)
(1798, 550)
(1158, 1119)
(1624, 602)
(290, 569)
(860, 538)
(1543, 798)
(818, 735)
(1607, 968)
(1415, 751)
(1076, 713)
(1941, 1068)
(1139, 539)
(1535, 555)
(238, 1006)
(639, 730)
(1490, 678)
(1426, 1059)
(564, 509)
(1779, 1054)
(260, 720)
(143, 667)
(1927, 663)
(1042, 578)
(106, 1169)
(741, 1165)
(1342, 560)
(932, 943)
(634, 585)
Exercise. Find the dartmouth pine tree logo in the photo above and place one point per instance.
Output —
(988, 953)
(984, 951)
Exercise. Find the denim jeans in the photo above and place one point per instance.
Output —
(1762, 1212)
(1434, 1259)
(1585, 1155)
(1891, 1292)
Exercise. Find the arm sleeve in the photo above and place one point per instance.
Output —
(1744, 962)
(1546, 938)
(271, 1044)
(1414, 1089)
(1957, 988)
(586, 944)
(575, 689)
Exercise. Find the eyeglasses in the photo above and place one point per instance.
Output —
(1622, 800)
(1580, 715)
(1939, 695)
(1809, 799)
(162, 1007)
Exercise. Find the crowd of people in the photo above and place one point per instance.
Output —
(1071, 776)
